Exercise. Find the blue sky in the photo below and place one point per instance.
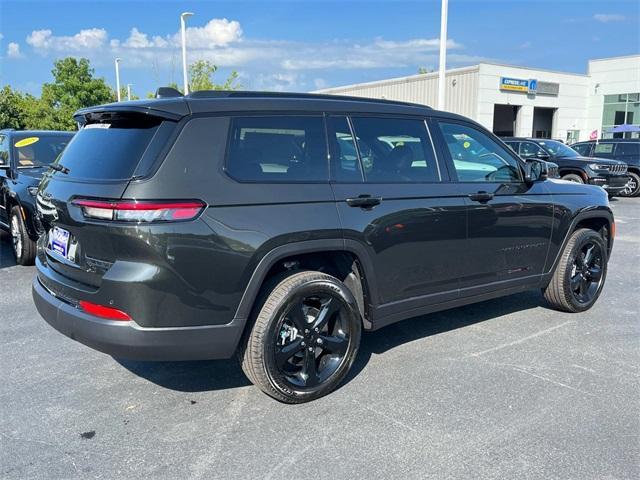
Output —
(304, 45)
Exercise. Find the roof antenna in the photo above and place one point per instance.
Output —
(167, 92)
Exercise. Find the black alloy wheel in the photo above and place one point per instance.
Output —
(581, 272)
(313, 339)
(305, 337)
(586, 273)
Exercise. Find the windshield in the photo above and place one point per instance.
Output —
(558, 149)
(38, 149)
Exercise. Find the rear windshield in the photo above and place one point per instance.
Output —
(109, 150)
(36, 150)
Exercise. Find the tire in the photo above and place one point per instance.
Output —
(572, 177)
(24, 248)
(561, 292)
(633, 187)
(274, 335)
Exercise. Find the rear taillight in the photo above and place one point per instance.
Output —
(101, 311)
(140, 211)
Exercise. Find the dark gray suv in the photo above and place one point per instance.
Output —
(279, 226)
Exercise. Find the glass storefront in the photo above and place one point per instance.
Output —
(618, 110)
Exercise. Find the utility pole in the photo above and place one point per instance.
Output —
(129, 91)
(443, 54)
(117, 62)
(183, 29)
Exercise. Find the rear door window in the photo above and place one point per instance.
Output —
(395, 150)
(109, 150)
(277, 149)
(603, 150)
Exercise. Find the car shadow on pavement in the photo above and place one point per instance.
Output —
(223, 374)
(7, 259)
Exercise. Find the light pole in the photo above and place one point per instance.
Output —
(117, 62)
(443, 54)
(183, 29)
(129, 91)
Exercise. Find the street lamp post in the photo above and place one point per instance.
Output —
(129, 91)
(117, 62)
(443, 54)
(183, 30)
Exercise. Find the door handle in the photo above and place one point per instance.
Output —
(481, 197)
(364, 201)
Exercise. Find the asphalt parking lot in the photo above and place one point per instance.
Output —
(503, 389)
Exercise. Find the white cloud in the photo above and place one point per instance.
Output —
(13, 50)
(223, 42)
(44, 41)
(608, 17)
(1, 36)
(218, 32)
(525, 45)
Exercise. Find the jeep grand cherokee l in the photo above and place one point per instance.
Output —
(279, 226)
(626, 150)
(608, 174)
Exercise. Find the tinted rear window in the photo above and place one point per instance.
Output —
(110, 150)
(278, 149)
(38, 149)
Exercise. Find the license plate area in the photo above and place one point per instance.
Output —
(62, 244)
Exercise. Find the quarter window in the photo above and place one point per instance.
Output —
(278, 149)
(477, 157)
(395, 150)
(4, 151)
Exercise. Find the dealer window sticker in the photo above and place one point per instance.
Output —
(25, 142)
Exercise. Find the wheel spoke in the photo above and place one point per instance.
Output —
(328, 310)
(285, 352)
(588, 255)
(575, 282)
(595, 273)
(335, 344)
(297, 316)
(309, 372)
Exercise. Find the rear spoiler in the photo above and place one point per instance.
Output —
(166, 108)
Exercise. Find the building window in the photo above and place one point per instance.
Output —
(618, 110)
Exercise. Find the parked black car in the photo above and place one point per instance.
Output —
(624, 150)
(278, 226)
(24, 157)
(608, 174)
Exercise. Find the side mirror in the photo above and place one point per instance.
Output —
(542, 155)
(535, 170)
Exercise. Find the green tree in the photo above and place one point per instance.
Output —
(73, 87)
(11, 108)
(201, 77)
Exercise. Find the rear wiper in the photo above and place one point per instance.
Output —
(54, 166)
(58, 168)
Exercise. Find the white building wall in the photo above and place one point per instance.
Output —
(570, 101)
(609, 76)
(461, 90)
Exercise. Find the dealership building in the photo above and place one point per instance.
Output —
(527, 102)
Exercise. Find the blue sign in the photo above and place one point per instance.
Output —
(533, 86)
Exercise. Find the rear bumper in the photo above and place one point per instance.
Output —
(129, 340)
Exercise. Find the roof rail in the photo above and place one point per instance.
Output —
(292, 95)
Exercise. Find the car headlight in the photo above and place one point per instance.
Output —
(597, 166)
(33, 191)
